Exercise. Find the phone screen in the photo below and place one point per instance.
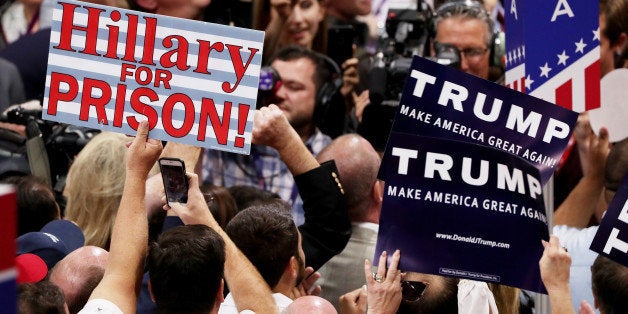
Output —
(175, 181)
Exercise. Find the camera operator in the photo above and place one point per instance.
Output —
(467, 26)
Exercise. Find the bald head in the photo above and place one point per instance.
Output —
(79, 273)
(358, 163)
(310, 304)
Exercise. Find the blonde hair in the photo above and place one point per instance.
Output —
(94, 187)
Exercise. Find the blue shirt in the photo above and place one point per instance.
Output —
(263, 168)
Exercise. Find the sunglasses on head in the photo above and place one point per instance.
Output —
(412, 290)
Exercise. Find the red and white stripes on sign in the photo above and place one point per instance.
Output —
(577, 87)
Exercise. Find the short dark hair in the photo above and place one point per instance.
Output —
(36, 205)
(247, 195)
(608, 282)
(186, 266)
(268, 237)
(41, 297)
(220, 202)
(322, 72)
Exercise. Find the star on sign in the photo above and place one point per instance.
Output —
(545, 70)
(580, 46)
(562, 58)
(529, 82)
(596, 34)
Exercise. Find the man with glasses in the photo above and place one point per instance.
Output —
(467, 26)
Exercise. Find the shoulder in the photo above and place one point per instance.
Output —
(576, 241)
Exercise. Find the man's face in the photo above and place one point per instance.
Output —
(297, 94)
(351, 8)
(469, 36)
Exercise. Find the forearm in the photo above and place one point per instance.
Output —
(577, 209)
(560, 300)
(128, 247)
(296, 156)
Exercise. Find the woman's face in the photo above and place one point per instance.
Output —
(302, 20)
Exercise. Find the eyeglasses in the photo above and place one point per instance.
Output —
(473, 53)
(412, 290)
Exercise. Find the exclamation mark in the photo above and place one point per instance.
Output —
(243, 113)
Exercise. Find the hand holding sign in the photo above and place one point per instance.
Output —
(384, 286)
(554, 265)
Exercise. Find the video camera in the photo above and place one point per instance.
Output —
(407, 34)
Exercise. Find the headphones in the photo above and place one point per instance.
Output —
(497, 43)
(331, 82)
(270, 82)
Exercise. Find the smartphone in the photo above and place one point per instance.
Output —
(175, 180)
(340, 43)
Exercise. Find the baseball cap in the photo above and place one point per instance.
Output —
(30, 268)
(55, 240)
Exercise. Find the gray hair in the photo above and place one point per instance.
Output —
(466, 9)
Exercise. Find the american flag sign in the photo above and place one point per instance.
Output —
(553, 51)
(195, 82)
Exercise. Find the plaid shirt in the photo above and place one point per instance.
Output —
(262, 168)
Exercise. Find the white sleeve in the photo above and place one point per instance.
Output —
(100, 306)
(475, 297)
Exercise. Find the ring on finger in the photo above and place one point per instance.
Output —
(378, 278)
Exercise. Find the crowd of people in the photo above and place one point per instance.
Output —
(292, 227)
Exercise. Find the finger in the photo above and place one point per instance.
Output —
(585, 308)
(604, 135)
(142, 132)
(381, 266)
(192, 179)
(554, 243)
(392, 269)
(368, 274)
(316, 291)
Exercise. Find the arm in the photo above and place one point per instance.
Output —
(554, 266)
(129, 239)
(576, 210)
(327, 228)
(249, 290)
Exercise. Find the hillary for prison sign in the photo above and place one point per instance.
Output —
(462, 210)
(194, 82)
(443, 102)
